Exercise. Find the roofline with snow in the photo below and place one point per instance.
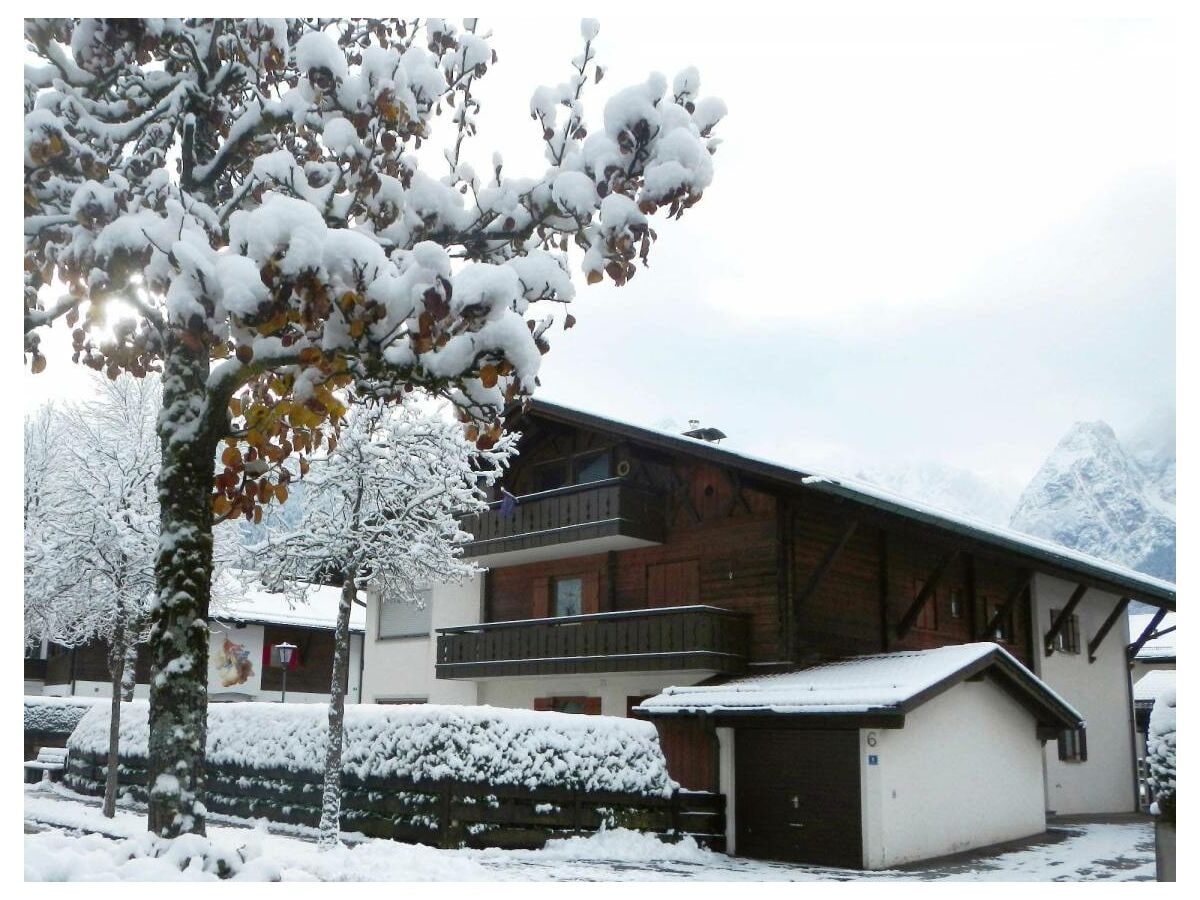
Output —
(1052, 712)
(1056, 559)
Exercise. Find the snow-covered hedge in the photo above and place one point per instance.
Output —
(59, 715)
(1161, 755)
(478, 744)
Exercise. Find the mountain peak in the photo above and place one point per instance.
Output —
(1092, 494)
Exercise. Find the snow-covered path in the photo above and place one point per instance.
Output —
(64, 851)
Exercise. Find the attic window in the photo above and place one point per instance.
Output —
(1067, 639)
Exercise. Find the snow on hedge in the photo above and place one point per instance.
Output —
(58, 714)
(1160, 747)
(425, 743)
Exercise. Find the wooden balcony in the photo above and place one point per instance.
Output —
(646, 640)
(595, 517)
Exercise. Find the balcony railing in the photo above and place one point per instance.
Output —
(612, 508)
(645, 640)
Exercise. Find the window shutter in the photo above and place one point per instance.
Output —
(1082, 734)
(400, 618)
(540, 598)
(541, 704)
(591, 593)
(591, 706)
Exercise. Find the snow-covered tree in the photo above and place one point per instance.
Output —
(250, 193)
(382, 510)
(92, 539)
(1160, 756)
(91, 528)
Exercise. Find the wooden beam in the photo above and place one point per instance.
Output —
(927, 589)
(1064, 616)
(735, 480)
(818, 574)
(1113, 618)
(1003, 610)
(785, 572)
(884, 576)
(1136, 647)
(972, 598)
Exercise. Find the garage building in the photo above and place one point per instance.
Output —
(875, 761)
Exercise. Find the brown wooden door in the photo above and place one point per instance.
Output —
(798, 796)
(673, 584)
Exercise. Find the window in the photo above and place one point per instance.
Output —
(568, 596)
(403, 618)
(927, 618)
(401, 701)
(593, 467)
(956, 603)
(1003, 629)
(1072, 745)
(1067, 639)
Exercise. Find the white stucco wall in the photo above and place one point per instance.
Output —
(965, 771)
(614, 690)
(404, 668)
(1099, 690)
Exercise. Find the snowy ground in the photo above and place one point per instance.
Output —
(61, 844)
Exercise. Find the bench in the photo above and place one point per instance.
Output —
(50, 764)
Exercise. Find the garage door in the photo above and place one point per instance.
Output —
(798, 796)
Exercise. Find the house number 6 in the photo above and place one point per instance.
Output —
(871, 739)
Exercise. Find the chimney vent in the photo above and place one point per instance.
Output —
(712, 435)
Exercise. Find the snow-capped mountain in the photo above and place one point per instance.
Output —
(946, 487)
(1112, 501)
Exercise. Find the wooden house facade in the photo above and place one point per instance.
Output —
(622, 561)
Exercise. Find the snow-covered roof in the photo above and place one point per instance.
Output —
(1160, 648)
(1145, 587)
(317, 610)
(1153, 683)
(882, 684)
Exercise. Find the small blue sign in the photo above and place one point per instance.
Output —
(872, 760)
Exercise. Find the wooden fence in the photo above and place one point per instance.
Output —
(443, 814)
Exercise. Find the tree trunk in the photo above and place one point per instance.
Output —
(183, 572)
(116, 668)
(130, 681)
(331, 798)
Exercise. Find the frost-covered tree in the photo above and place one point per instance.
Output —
(1160, 756)
(91, 530)
(382, 510)
(251, 194)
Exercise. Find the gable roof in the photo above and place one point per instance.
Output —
(882, 687)
(1119, 578)
(318, 609)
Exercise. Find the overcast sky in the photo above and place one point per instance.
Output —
(926, 239)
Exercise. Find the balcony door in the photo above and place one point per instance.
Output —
(673, 583)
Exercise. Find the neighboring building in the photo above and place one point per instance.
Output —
(634, 561)
(1157, 651)
(243, 635)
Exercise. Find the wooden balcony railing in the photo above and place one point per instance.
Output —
(611, 508)
(644, 640)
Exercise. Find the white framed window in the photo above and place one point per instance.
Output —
(568, 596)
(403, 618)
